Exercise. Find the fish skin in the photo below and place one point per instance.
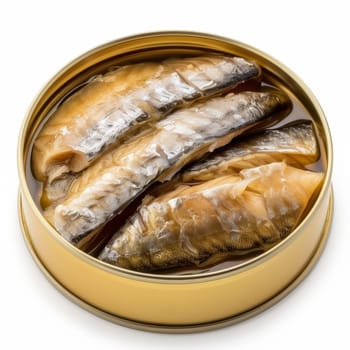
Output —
(232, 214)
(209, 74)
(113, 105)
(111, 183)
(295, 143)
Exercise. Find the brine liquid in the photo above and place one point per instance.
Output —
(298, 113)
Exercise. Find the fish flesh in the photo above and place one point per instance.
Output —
(107, 186)
(112, 106)
(228, 216)
(296, 144)
(111, 183)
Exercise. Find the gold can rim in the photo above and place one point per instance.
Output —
(159, 278)
(180, 329)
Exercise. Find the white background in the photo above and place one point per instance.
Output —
(38, 38)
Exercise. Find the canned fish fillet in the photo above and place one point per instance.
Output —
(188, 172)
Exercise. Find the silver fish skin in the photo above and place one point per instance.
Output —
(114, 105)
(112, 182)
(296, 144)
(228, 216)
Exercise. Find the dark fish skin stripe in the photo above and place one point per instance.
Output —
(295, 143)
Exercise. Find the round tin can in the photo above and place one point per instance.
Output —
(172, 303)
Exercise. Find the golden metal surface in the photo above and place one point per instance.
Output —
(179, 328)
(172, 302)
